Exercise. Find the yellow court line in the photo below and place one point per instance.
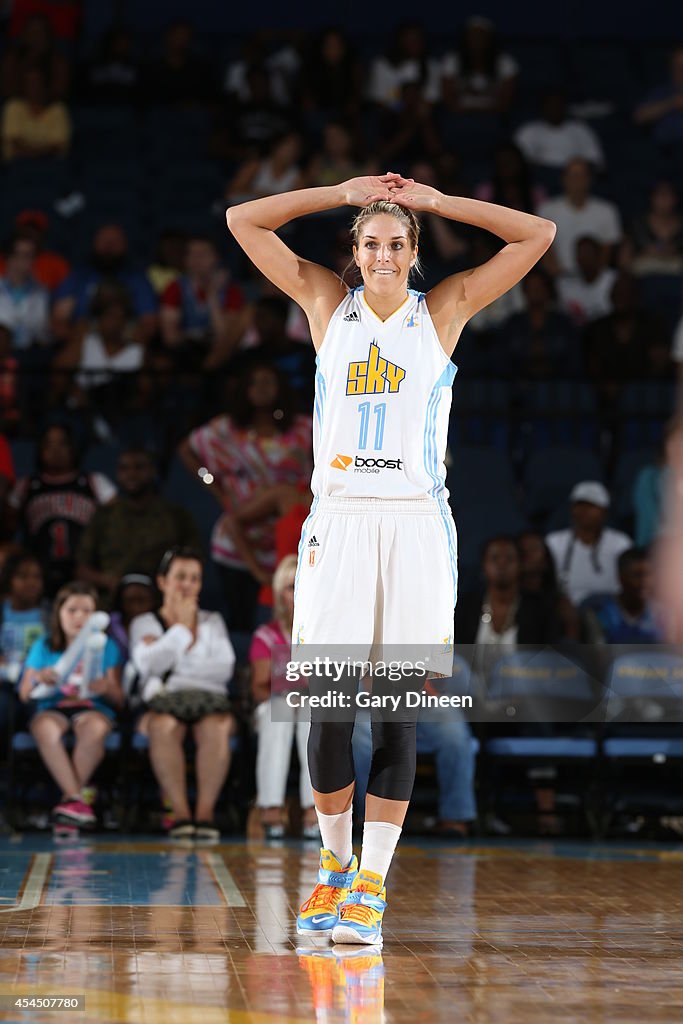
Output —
(35, 883)
(120, 1008)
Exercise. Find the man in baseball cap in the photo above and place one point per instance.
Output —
(586, 554)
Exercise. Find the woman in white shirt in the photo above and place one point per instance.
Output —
(185, 660)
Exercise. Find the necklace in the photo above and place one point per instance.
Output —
(487, 615)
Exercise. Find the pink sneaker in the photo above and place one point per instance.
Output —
(73, 812)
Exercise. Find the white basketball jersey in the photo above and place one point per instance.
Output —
(382, 403)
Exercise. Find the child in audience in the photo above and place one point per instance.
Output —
(86, 703)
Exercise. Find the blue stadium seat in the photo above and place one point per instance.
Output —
(643, 742)
(538, 688)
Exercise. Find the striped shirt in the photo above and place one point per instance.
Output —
(242, 463)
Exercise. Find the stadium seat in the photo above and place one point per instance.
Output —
(551, 693)
(643, 738)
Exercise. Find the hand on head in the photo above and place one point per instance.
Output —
(390, 188)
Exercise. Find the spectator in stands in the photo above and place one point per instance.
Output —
(501, 615)
(49, 268)
(331, 79)
(50, 509)
(280, 63)
(662, 108)
(131, 532)
(33, 126)
(261, 441)
(109, 261)
(280, 170)
(497, 619)
(541, 341)
(586, 294)
(23, 618)
(649, 490)
(247, 129)
(407, 130)
(629, 343)
(10, 413)
(448, 738)
(538, 577)
(23, 612)
(35, 47)
(169, 260)
(135, 595)
(24, 304)
(95, 372)
(271, 343)
(180, 77)
(556, 138)
(478, 77)
(577, 213)
(185, 660)
(112, 77)
(654, 243)
(277, 725)
(85, 703)
(585, 554)
(512, 182)
(338, 158)
(406, 60)
(627, 617)
(198, 319)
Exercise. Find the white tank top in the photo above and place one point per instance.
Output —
(382, 403)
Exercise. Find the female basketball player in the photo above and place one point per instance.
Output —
(377, 558)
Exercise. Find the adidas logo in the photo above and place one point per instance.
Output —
(351, 318)
(313, 542)
(341, 462)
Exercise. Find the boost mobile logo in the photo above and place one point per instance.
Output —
(362, 465)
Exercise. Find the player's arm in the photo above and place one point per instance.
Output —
(454, 300)
(254, 224)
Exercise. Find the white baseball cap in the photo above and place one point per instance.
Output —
(591, 491)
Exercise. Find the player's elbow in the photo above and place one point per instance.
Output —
(547, 229)
(233, 219)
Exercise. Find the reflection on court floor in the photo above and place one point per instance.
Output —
(479, 932)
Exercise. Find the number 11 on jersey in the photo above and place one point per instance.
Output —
(379, 410)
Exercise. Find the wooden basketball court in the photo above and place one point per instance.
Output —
(511, 933)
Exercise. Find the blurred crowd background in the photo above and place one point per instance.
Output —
(156, 392)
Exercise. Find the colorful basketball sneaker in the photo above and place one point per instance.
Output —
(319, 914)
(360, 915)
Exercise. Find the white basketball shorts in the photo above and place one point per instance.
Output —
(376, 573)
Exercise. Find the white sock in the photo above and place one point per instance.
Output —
(336, 831)
(379, 842)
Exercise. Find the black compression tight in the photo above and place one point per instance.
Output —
(392, 770)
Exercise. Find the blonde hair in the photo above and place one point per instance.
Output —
(405, 217)
(280, 580)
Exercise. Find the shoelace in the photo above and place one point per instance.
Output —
(323, 894)
(359, 913)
